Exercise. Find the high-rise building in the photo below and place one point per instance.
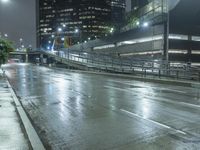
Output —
(117, 12)
(136, 4)
(78, 19)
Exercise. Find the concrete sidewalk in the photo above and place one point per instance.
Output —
(12, 133)
(16, 130)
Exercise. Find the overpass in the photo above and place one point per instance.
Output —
(90, 61)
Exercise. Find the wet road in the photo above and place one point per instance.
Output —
(78, 111)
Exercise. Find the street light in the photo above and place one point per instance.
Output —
(111, 30)
(145, 24)
(137, 23)
(76, 30)
(59, 29)
(4, 1)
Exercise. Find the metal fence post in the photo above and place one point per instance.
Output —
(159, 73)
(177, 74)
(199, 76)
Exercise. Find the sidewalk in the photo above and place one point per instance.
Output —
(12, 134)
(16, 130)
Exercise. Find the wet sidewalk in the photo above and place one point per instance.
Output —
(12, 133)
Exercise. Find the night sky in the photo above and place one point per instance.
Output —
(17, 19)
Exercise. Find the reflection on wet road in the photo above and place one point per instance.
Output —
(84, 111)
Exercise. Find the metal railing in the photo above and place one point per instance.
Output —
(142, 67)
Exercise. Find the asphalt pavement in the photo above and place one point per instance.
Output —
(82, 111)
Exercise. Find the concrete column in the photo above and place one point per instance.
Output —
(26, 59)
(41, 58)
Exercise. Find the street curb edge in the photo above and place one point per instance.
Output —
(32, 134)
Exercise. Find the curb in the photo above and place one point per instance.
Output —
(32, 134)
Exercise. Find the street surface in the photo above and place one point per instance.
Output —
(80, 111)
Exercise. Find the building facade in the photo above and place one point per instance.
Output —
(117, 13)
(137, 4)
(161, 33)
(80, 20)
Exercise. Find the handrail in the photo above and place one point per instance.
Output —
(116, 64)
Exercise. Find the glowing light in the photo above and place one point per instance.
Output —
(59, 29)
(5, 1)
(104, 46)
(111, 30)
(76, 30)
(145, 24)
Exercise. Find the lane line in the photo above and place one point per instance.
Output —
(155, 88)
(157, 100)
(117, 88)
(192, 105)
(152, 121)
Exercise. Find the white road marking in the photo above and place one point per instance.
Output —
(117, 88)
(152, 121)
(157, 99)
(152, 87)
(172, 90)
(192, 105)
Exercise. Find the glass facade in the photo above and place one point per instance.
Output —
(79, 19)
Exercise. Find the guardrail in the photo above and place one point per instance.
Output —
(102, 62)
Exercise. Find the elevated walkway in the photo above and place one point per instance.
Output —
(107, 63)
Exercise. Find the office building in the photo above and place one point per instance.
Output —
(166, 34)
(79, 19)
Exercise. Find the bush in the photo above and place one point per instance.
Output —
(6, 47)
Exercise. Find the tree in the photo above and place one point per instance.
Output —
(6, 47)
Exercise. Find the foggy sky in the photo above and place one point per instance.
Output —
(17, 19)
